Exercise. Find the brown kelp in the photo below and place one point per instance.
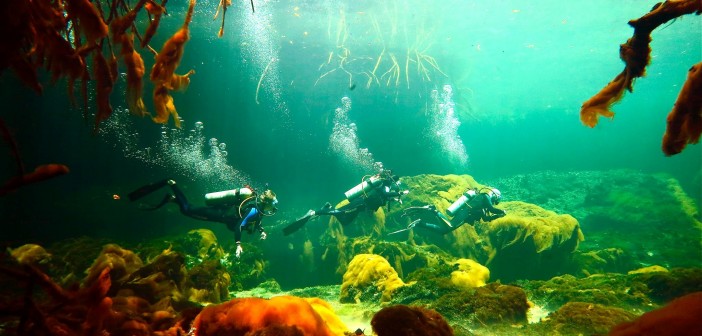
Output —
(685, 121)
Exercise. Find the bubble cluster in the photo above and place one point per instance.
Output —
(260, 48)
(186, 153)
(344, 140)
(444, 125)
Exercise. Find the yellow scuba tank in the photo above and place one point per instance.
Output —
(363, 187)
(227, 197)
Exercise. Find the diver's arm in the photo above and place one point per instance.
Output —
(253, 212)
(491, 211)
(494, 210)
(244, 221)
(259, 225)
(237, 234)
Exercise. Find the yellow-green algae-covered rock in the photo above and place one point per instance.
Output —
(470, 274)
(202, 244)
(367, 277)
(607, 260)
(649, 269)
(530, 242)
(30, 254)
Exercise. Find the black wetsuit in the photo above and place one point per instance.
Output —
(227, 214)
(376, 198)
(478, 208)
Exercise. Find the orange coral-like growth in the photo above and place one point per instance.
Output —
(245, 315)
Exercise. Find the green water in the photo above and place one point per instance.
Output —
(268, 89)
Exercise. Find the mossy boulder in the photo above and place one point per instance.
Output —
(491, 304)
(611, 289)
(650, 216)
(530, 242)
(581, 318)
(665, 286)
(608, 260)
(510, 246)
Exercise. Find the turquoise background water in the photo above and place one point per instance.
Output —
(519, 73)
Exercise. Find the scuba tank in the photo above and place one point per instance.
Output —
(227, 197)
(363, 187)
(460, 202)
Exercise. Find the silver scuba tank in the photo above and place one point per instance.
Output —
(460, 202)
(363, 187)
(227, 196)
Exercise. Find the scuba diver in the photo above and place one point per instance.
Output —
(373, 192)
(240, 209)
(474, 205)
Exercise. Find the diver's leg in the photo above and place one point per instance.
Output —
(180, 198)
(203, 213)
(346, 217)
(432, 227)
(146, 190)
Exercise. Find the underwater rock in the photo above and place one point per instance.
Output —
(579, 318)
(649, 269)
(611, 289)
(509, 246)
(404, 257)
(369, 277)
(530, 242)
(30, 254)
(469, 274)
(650, 216)
(636, 292)
(609, 260)
(493, 303)
(401, 320)
(426, 285)
(665, 286)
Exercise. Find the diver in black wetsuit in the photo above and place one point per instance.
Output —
(474, 205)
(240, 209)
(372, 193)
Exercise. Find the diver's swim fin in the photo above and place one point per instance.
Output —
(163, 202)
(298, 224)
(409, 227)
(345, 218)
(147, 189)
